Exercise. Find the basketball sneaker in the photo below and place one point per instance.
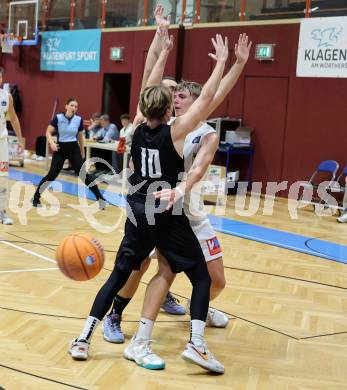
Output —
(342, 218)
(198, 353)
(216, 318)
(102, 203)
(79, 349)
(171, 305)
(140, 351)
(5, 219)
(112, 330)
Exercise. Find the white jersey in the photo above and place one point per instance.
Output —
(4, 105)
(193, 201)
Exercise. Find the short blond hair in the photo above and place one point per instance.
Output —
(155, 101)
(191, 86)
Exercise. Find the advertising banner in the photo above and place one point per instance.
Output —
(71, 51)
(322, 48)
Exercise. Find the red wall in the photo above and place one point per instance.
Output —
(39, 89)
(298, 121)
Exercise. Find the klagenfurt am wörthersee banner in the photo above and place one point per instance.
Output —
(322, 48)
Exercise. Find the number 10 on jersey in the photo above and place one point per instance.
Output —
(150, 163)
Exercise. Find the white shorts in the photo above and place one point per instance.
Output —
(207, 238)
(4, 157)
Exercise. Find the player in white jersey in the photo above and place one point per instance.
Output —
(199, 149)
(204, 138)
(138, 348)
(6, 112)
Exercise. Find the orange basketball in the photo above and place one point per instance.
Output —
(80, 256)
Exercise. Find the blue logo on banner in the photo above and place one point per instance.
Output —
(326, 37)
(71, 51)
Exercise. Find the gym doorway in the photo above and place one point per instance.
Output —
(116, 96)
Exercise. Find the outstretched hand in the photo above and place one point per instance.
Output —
(170, 196)
(242, 49)
(166, 41)
(221, 48)
(160, 19)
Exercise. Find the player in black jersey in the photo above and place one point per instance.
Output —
(157, 151)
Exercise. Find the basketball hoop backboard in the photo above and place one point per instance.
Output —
(23, 22)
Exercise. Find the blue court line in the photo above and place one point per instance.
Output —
(295, 242)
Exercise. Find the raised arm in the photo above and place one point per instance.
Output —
(228, 82)
(159, 67)
(155, 48)
(157, 70)
(200, 108)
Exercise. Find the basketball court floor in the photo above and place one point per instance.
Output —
(286, 295)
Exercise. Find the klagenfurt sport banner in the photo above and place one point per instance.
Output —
(71, 51)
(322, 48)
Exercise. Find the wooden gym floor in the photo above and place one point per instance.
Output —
(288, 327)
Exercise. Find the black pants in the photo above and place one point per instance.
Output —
(67, 151)
(200, 298)
(175, 239)
(104, 155)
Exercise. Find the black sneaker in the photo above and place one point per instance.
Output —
(36, 203)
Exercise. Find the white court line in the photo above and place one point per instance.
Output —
(27, 251)
(28, 270)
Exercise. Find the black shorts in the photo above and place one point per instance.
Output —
(171, 234)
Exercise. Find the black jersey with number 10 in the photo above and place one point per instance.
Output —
(155, 157)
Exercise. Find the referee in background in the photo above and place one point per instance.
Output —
(70, 145)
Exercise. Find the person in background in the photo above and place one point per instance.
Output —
(69, 146)
(94, 126)
(127, 130)
(108, 131)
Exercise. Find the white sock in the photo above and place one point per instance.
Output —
(89, 328)
(145, 328)
(197, 330)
